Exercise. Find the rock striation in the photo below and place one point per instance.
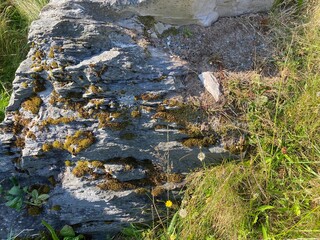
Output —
(101, 113)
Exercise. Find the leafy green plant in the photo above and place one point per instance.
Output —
(67, 232)
(15, 196)
(37, 199)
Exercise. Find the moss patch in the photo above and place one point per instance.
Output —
(128, 136)
(32, 104)
(135, 114)
(56, 121)
(46, 147)
(79, 141)
(147, 21)
(200, 142)
(82, 168)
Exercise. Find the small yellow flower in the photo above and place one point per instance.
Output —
(168, 204)
(173, 237)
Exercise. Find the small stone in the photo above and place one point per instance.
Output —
(211, 84)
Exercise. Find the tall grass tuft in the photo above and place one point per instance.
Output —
(15, 18)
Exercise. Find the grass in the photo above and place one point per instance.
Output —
(274, 192)
(15, 18)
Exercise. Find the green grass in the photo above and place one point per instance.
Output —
(15, 18)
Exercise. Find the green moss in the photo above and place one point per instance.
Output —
(51, 53)
(79, 141)
(199, 142)
(52, 181)
(128, 136)
(68, 163)
(38, 69)
(97, 164)
(46, 147)
(147, 21)
(31, 135)
(170, 32)
(116, 126)
(34, 210)
(136, 114)
(174, 177)
(56, 121)
(150, 96)
(38, 85)
(32, 104)
(20, 142)
(56, 208)
(24, 85)
(54, 65)
(115, 185)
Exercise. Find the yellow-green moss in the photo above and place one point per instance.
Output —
(37, 69)
(79, 141)
(175, 178)
(128, 136)
(68, 163)
(81, 169)
(135, 114)
(147, 21)
(94, 89)
(56, 208)
(31, 135)
(52, 181)
(20, 142)
(54, 65)
(150, 96)
(32, 104)
(46, 147)
(57, 144)
(24, 85)
(51, 121)
(97, 164)
(51, 53)
(199, 142)
(38, 85)
(116, 115)
(34, 210)
(115, 185)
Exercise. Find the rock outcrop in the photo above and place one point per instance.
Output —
(101, 111)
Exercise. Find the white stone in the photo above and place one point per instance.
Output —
(203, 12)
(211, 84)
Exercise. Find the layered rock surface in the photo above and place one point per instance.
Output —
(103, 112)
